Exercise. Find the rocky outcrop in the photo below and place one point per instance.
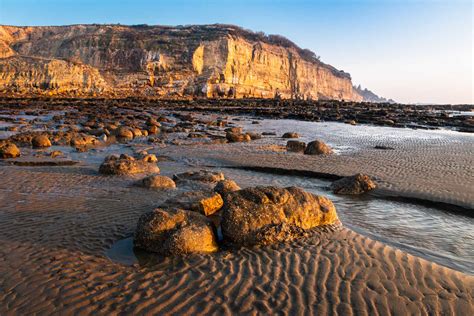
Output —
(159, 61)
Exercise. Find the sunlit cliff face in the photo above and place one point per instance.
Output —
(212, 61)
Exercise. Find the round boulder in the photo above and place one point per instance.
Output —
(9, 150)
(175, 232)
(157, 182)
(124, 132)
(317, 147)
(259, 215)
(291, 135)
(356, 184)
(40, 141)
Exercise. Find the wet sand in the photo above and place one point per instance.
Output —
(58, 223)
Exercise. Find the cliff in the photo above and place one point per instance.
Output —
(160, 61)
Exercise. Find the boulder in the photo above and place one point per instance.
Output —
(83, 140)
(175, 232)
(125, 165)
(295, 146)
(356, 184)
(226, 186)
(124, 132)
(9, 150)
(40, 141)
(157, 182)
(237, 138)
(291, 135)
(317, 147)
(201, 175)
(257, 215)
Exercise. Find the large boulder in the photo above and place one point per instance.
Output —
(263, 215)
(175, 232)
(317, 147)
(356, 184)
(124, 165)
(40, 141)
(9, 150)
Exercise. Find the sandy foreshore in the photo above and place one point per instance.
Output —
(57, 224)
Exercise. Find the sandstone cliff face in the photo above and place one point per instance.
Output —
(114, 60)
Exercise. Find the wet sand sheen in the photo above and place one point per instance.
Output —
(57, 224)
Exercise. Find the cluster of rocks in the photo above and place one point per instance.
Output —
(199, 221)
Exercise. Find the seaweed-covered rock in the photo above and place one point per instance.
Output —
(258, 215)
(175, 232)
(356, 184)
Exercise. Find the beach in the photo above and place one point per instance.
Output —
(66, 229)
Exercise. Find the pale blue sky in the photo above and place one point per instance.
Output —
(408, 50)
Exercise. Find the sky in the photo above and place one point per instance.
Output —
(413, 51)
